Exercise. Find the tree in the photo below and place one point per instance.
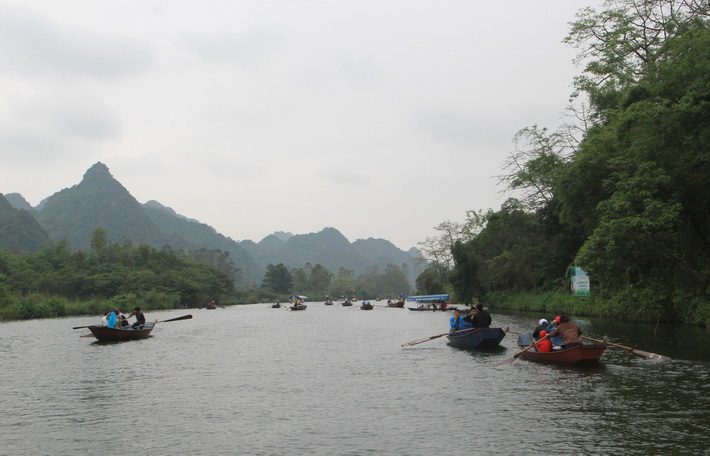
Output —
(621, 43)
(278, 279)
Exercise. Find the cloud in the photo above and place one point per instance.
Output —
(55, 125)
(245, 48)
(32, 44)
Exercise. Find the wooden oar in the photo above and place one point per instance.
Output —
(515, 357)
(184, 317)
(79, 327)
(635, 351)
(426, 339)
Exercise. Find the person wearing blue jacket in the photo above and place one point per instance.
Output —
(457, 323)
(556, 340)
(113, 319)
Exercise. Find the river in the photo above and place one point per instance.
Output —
(332, 380)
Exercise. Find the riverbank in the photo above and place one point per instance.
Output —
(652, 310)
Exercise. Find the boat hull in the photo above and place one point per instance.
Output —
(582, 354)
(399, 305)
(480, 339)
(106, 334)
(299, 307)
(430, 309)
(366, 307)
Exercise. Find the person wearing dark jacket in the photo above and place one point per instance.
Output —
(140, 318)
(569, 331)
(478, 317)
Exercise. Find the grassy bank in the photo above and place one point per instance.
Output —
(678, 309)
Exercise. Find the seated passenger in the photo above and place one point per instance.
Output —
(569, 331)
(541, 325)
(544, 345)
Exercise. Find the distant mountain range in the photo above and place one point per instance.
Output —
(99, 200)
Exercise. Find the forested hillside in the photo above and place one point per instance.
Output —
(19, 231)
(622, 190)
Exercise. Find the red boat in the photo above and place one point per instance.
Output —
(582, 354)
(398, 304)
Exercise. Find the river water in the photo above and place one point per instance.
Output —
(331, 380)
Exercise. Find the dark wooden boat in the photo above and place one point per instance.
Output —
(106, 334)
(582, 354)
(398, 304)
(482, 338)
(276, 306)
(366, 306)
(347, 304)
(328, 303)
(299, 307)
(430, 309)
(208, 307)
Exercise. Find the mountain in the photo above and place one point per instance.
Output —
(18, 201)
(190, 234)
(98, 200)
(332, 250)
(19, 231)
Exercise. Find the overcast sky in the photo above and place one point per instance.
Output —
(381, 118)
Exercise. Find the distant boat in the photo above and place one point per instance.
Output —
(298, 307)
(366, 305)
(347, 304)
(398, 304)
(328, 302)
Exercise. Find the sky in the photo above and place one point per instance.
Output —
(380, 118)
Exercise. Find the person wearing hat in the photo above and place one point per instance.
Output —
(541, 326)
(140, 318)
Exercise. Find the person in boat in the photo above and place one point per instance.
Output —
(443, 305)
(112, 319)
(541, 326)
(481, 319)
(458, 323)
(556, 340)
(545, 344)
(123, 320)
(569, 331)
(104, 319)
(140, 318)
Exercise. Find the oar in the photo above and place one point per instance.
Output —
(79, 327)
(514, 358)
(184, 317)
(645, 354)
(426, 339)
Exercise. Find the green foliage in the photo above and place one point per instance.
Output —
(278, 279)
(630, 204)
(55, 282)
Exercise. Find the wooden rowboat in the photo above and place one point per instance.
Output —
(582, 354)
(106, 334)
(299, 307)
(398, 304)
(366, 306)
(482, 338)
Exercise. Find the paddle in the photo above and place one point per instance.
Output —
(645, 354)
(514, 358)
(426, 339)
(184, 317)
